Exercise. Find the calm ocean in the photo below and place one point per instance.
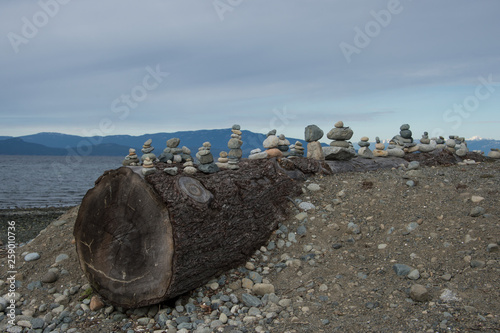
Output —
(49, 181)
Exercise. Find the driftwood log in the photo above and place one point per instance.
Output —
(142, 241)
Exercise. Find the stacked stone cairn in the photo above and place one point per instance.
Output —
(234, 146)
(175, 154)
(147, 151)
(131, 159)
(296, 150)
(284, 145)
(457, 145)
(427, 145)
(257, 154)
(271, 144)
(223, 160)
(494, 153)
(148, 166)
(206, 159)
(440, 143)
(395, 150)
(379, 150)
(312, 136)
(340, 148)
(404, 140)
(364, 150)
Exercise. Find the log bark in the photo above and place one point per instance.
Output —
(142, 241)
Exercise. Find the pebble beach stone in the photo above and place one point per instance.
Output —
(32, 256)
(419, 293)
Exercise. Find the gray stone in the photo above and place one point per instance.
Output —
(365, 152)
(258, 156)
(301, 230)
(414, 275)
(255, 277)
(404, 127)
(410, 183)
(3, 304)
(171, 171)
(34, 285)
(250, 300)
(31, 256)
(49, 277)
(205, 158)
(37, 323)
(419, 293)
(61, 257)
(413, 165)
(353, 228)
(236, 127)
(492, 247)
(234, 143)
(208, 168)
(341, 144)
(343, 134)
(315, 151)
(405, 134)
(166, 156)
(271, 142)
(173, 142)
(477, 263)
(363, 144)
(401, 269)
(396, 152)
(338, 153)
(412, 226)
(313, 133)
(477, 211)
(235, 153)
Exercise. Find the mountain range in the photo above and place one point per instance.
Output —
(58, 144)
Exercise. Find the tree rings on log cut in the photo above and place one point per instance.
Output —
(194, 189)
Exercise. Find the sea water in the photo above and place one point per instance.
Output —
(49, 181)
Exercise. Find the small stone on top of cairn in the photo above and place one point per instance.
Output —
(297, 150)
(147, 151)
(340, 148)
(312, 135)
(426, 145)
(131, 159)
(206, 159)
(175, 154)
(364, 150)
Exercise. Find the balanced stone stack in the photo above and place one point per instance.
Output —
(494, 153)
(234, 146)
(404, 139)
(440, 143)
(148, 166)
(147, 151)
(364, 150)
(283, 145)
(175, 154)
(296, 150)
(461, 148)
(426, 145)
(131, 159)
(312, 135)
(340, 148)
(223, 160)
(379, 150)
(271, 145)
(395, 150)
(206, 159)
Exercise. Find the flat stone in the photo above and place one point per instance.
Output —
(419, 293)
(274, 152)
(342, 134)
(477, 263)
(338, 153)
(313, 133)
(401, 269)
(190, 170)
(250, 300)
(61, 257)
(477, 211)
(208, 168)
(260, 289)
(205, 158)
(49, 277)
(365, 152)
(476, 199)
(271, 142)
(341, 144)
(493, 247)
(258, 156)
(304, 205)
(173, 142)
(414, 275)
(234, 143)
(32, 256)
(171, 171)
(313, 187)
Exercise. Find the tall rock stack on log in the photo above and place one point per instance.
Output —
(144, 240)
(312, 135)
(364, 150)
(271, 145)
(234, 145)
(494, 153)
(131, 159)
(206, 159)
(379, 150)
(340, 148)
(283, 145)
(148, 167)
(296, 150)
(426, 145)
(147, 150)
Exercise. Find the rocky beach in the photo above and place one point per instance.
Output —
(413, 248)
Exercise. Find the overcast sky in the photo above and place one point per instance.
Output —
(134, 67)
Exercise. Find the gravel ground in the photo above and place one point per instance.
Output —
(412, 249)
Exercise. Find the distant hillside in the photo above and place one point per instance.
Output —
(5, 137)
(483, 144)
